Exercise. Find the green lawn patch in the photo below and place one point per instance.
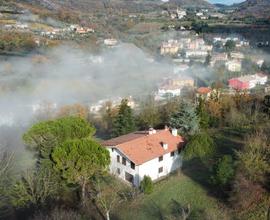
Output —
(169, 194)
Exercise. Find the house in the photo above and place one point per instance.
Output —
(218, 57)
(181, 13)
(153, 153)
(248, 81)
(110, 42)
(204, 92)
(173, 87)
(170, 47)
(237, 55)
(234, 65)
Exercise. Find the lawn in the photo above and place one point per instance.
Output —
(170, 193)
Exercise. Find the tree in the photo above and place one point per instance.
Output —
(73, 110)
(6, 181)
(124, 122)
(147, 185)
(149, 114)
(200, 145)
(223, 171)
(255, 158)
(265, 67)
(108, 192)
(185, 119)
(229, 45)
(44, 136)
(34, 188)
(203, 114)
(78, 160)
(208, 60)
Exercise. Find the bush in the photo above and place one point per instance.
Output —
(147, 185)
(200, 145)
(223, 171)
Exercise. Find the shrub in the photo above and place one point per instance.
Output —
(200, 145)
(223, 171)
(147, 185)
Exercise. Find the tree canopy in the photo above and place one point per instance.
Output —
(201, 145)
(79, 159)
(124, 122)
(185, 119)
(43, 136)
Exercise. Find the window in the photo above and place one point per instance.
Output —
(118, 171)
(160, 170)
(132, 165)
(118, 158)
(172, 154)
(179, 150)
(129, 177)
(124, 161)
(160, 158)
(112, 149)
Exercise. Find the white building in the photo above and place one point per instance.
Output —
(145, 153)
(181, 13)
(234, 65)
(110, 42)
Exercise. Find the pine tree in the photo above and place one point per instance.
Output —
(186, 119)
(124, 122)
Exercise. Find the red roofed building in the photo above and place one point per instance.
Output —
(248, 81)
(145, 153)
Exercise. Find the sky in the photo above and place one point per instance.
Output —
(227, 2)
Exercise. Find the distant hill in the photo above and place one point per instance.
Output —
(128, 5)
(191, 3)
(256, 8)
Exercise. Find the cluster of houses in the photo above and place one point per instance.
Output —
(18, 26)
(95, 108)
(171, 87)
(189, 47)
(63, 33)
(248, 81)
(238, 41)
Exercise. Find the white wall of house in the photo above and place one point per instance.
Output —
(149, 168)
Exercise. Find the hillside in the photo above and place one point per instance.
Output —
(127, 5)
(256, 8)
(191, 3)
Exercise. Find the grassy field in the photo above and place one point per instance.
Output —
(170, 194)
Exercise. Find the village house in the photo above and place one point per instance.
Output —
(203, 92)
(110, 42)
(237, 55)
(172, 87)
(153, 153)
(248, 81)
(171, 47)
(234, 65)
(218, 57)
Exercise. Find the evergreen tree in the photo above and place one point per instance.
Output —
(203, 114)
(186, 119)
(124, 122)
(223, 171)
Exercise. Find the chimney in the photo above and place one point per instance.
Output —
(164, 145)
(166, 128)
(174, 132)
(152, 131)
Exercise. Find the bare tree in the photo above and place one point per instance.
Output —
(6, 159)
(34, 188)
(108, 195)
(6, 163)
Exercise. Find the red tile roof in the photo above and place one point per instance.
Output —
(142, 147)
(204, 90)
